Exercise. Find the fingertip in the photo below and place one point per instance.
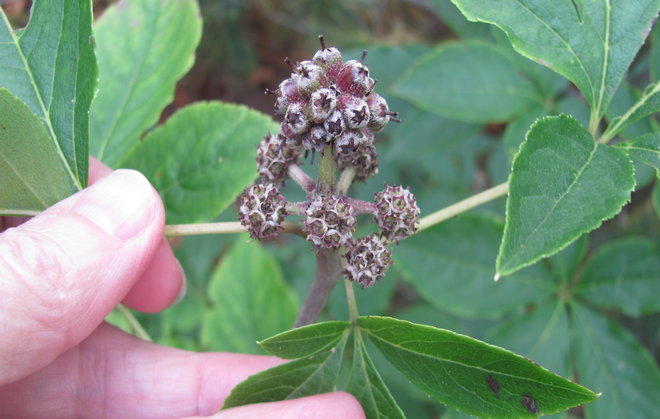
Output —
(161, 285)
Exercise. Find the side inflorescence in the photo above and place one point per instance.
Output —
(329, 104)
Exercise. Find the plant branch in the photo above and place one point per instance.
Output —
(301, 178)
(462, 206)
(135, 324)
(328, 269)
(352, 303)
(345, 180)
(363, 207)
(222, 228)
(615, 127)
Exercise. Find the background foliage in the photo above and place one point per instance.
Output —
(467, 99)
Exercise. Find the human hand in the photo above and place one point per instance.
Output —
(64, 270)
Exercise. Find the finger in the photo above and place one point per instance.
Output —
(163, 281)
(112, 374)
(66, 268)
(162, 284)
(321, 406)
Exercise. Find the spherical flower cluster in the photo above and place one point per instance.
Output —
(330, 221)
(367, 260)
(363, 159)
(329, 101)
(397, 212)
(262, 210)
(274, 155)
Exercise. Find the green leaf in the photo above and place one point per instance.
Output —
(368, 387)
(563, 184)
(202, 158)
(632, 106)
(51, 67)
(591, 43)
(306, 340)
(27, 157)
(541, 335)
(611, 361)
(307, 376)
(624, 274)
(645, 148)
(565, 263)
(515, 131)
(452, 266)
(471, 375)
(470, 81)
(250, 300)
(143, 48)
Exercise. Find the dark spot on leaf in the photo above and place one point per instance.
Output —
(577, 10)
(529, 403)
(492, 384)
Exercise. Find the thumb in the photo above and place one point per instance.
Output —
(65, 269)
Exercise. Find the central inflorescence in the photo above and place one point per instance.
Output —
(328, 105)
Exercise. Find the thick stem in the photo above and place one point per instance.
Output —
(327, 172)
(301, 178)
(296, 208)
(328, 269)
(328, 262)
(462, 206)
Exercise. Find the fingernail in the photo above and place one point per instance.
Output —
(121, 203)
(184, 286)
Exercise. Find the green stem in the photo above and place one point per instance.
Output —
(222, 228)
(352, 302)
(138, 330)
(462, 206)
(327, 172)
(593, 123)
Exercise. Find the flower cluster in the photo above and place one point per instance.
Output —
(329, 104)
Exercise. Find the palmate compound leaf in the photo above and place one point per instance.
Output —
(202, 158)
(470, 375)
(590, 42)
(365, 383)
(51, 67)
(562, 185)
(32, 176)
(306, 376)
(144, 47)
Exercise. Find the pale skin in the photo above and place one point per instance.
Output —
(64, 270)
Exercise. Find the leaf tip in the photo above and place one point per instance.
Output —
(497, 277)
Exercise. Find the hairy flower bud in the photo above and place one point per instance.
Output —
(262, 210)
(378, 111)
(354, 78)
(274, 155)
(330, 221)
(308, 76)
(295, 121)
(354, 110)
(364, 159)
(397, 212)
(350, 141)
(367, 260)
(322, 104)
